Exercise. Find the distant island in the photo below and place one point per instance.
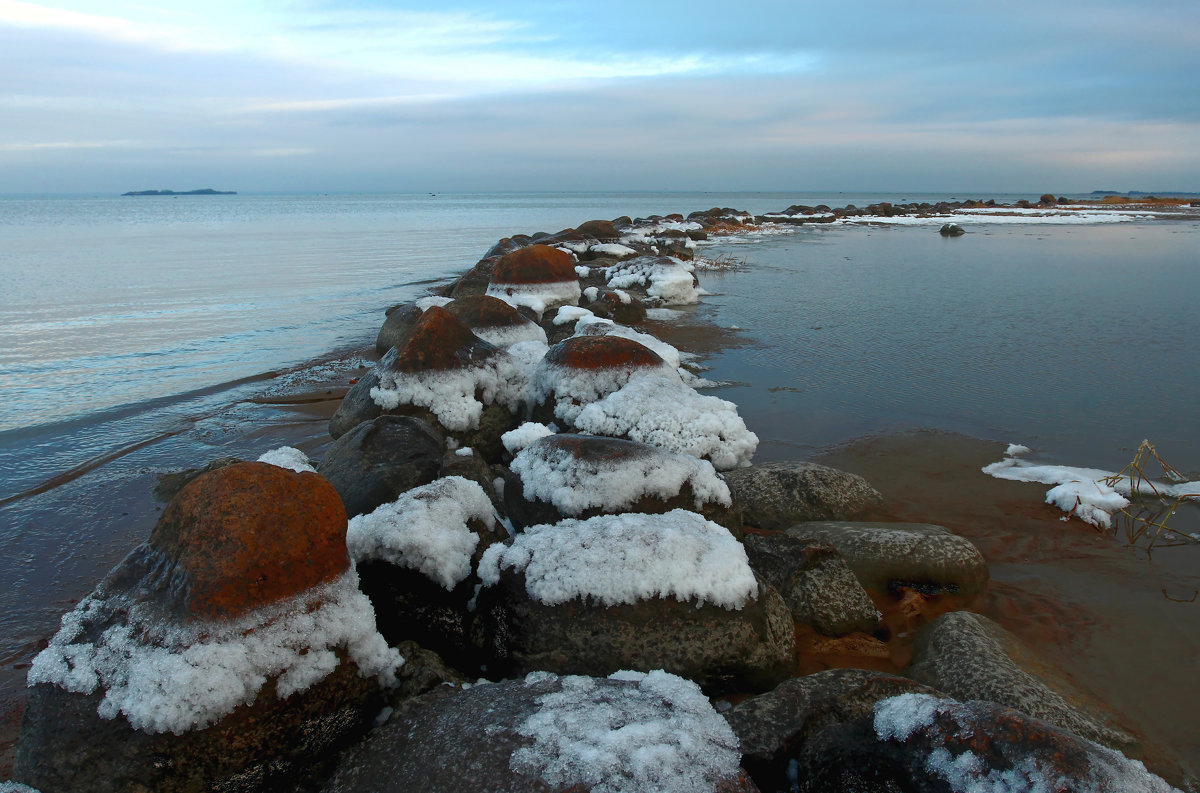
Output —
(1144, 193)
(205, 191)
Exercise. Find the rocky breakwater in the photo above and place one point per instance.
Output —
(541, 493)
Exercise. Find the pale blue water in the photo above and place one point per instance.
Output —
(133, 331)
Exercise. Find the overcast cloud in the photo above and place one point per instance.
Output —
(1065, 96)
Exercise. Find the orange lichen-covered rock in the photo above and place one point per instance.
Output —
(438, 341)
(537, 264)
(601, 352)
(494, 321)
(249, 534)
(597, 230)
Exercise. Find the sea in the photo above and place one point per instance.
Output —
(142, 335)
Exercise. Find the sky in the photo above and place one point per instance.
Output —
(368, 95)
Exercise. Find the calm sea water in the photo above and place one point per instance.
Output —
(133, 332)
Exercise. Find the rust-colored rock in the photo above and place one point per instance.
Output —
(249, 534)
(602, 352)
(438, 341)
(537, 264)
(597, 230)
(485, 311)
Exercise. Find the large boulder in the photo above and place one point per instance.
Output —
(772, 727)
(357, 406)
(399, 322)
(539, 276)
(970, 657)
(926, 744)
(233, 651)
(597, 230)
(781, 494)
(495, 321)
(887, 556)
(581, 476)
(378, 460)
(475, 281)
(632, 591)
(815, 582)
(546, 734)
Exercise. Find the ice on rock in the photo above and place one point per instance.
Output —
(165, 675)
(289, 458)
(658, 734)
(430, 301)
(617, 559)
(583, 272)
(595, 326)
(613, 249)
(516, 440)
(554, 475)
(505, 336)
(426, 529)
(573, 388)
(666, 413)
(568, 314)
(666, 278)
(900, 716)
(16, 787)
(538, 296)
(457, 396)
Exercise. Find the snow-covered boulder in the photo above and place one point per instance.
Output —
(667, 281)
(615, 304)
(378, 460)
(495, 321)
(919, 555)
(447, 375)
(628, 733)
(584, 369)
(416, 557)
(539, 277)
(232, 649)
(580, 476)
(633, 591)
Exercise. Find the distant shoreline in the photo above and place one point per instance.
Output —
(204, 191)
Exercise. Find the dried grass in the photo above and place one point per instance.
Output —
(1145, 519)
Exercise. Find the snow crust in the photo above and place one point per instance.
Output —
(451, 395)
(658, 734)
(1081, 489)
(568, 314)
(583, 271)
(289, 458)
(616, 559)
(549, 473)
(666, 278)
(902, 716)
(574, 246)
(16, 787)
(538, 297)
(426, 303)
(507, 335)
(613, 249)
(518, 439)
(426, 529)
(572, 389)
(163, 675)
(1003, 215)
(666, 413)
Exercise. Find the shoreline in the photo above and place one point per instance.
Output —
(317, 402)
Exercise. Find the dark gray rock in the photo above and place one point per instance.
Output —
(397, 325)
(772, 727)
(357, 406)
(815, 582)
(377, 460)
(970, 657)
(951, 230)
(778, 495)
(422, 672)
(927, 558)
(750, 649)
(472, 741)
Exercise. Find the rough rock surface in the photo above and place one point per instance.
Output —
(476, 741)
(357, 406)
(887, 555)
(485, 314)
(780, 494)
(772, 727)
(536, 264)
(967, 656)
(409, 606)
(815, 582)
(378, 460)
(746, 650)
(397, 325)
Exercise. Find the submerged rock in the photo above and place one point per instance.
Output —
(778, 495)
(631, 591)
(581, 476)
(951, 230)
(378, 460)
(233, 651)
(887, 556)
(545, 734)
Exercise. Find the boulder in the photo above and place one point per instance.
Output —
(780, 494)
(378, 460)
(597, 230)
(494, 321)
(547, 734)
(539, 276)
(631, 591)
(951, 230)
(397, 325)
(233, 651)
(475, 281)
(357, 406)
(772, 727)
(925, 744)
(970, 657)
(886, 556)
(170, 484)
(815, 582)
(622, 307)
(581, 476)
